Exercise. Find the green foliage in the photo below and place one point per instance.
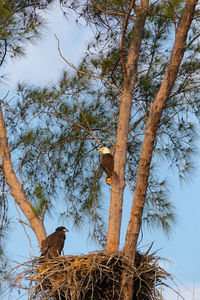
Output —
(40, 201)
(170, 9)
(3, 270)
(20, 21)
(55, 132)
(3, 236)
(159, 211)
(4, 223)
(57, 156)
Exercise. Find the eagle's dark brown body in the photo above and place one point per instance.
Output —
(107, 164)
(54, 243)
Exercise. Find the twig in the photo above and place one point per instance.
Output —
(5, 193)
(20, 168)
(136, 123)
(24, 223)
(6, 95)
(133, 136)
(79, 276)
(56, 113)
(85, 73)
(108, 12)
(91, 132)
(5, 51)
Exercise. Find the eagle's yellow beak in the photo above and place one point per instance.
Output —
(100, 150)
(65, 230)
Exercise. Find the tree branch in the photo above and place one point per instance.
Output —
(91, 132)
(122, 50)
(85, 73)
(116, 202)
(108, 12)
(136, 123)
(15, 186)
(152, 126)
(5, 52)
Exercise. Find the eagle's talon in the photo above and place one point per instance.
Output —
(108, 180)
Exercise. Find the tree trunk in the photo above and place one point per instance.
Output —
(113, 236)
(15, 186)
(149, 139)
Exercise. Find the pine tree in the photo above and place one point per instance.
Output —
(20, 22)
(134, 91)
(86, 110)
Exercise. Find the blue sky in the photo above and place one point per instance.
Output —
(42, 64)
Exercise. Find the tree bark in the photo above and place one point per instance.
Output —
(149, 139)
(113, 236)
(15, 186)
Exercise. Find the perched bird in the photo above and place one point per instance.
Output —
(54, 243)
(107, 164)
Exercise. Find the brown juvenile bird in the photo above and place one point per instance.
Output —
(54, 243)
(107, 164)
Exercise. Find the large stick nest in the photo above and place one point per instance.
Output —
(93, 276)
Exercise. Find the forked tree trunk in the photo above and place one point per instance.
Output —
(15, 186)
(115, 215)
(149, 139)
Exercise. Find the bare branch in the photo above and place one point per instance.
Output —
(134, 136)
(85, 73)
(192, 41)
(6, 95)
(5, 193)
(24, 223)
(136, 123)
(91, 132)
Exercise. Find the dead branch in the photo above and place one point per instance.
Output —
(85, 73)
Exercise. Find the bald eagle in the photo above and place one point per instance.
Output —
(54, 243)
(107, 164)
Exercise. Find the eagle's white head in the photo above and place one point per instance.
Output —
(104, 150)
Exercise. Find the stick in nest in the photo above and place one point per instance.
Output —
(96, 276)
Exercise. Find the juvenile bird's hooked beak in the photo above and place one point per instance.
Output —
(65, 230)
